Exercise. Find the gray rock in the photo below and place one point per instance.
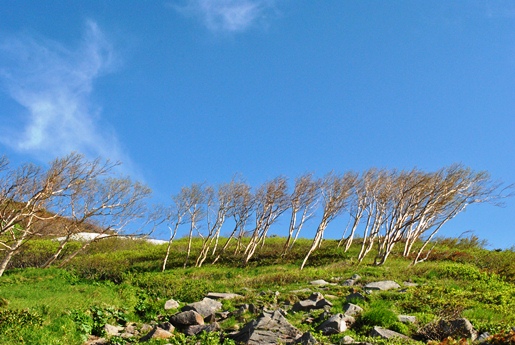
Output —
(347, 340)
(334, 325)
(386, 333)
(196, 329)
(457, 328)
(320, 282)
(186, 318)
(315, 301)
(269, 329)
(382, 285)
(206, 307)
(352, 309)
(223, 295)
(93, 340)
(307, 339)
(171, 304)
(407, 318)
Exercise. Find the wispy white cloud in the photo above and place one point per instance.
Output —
(229, 15)
(53, 84)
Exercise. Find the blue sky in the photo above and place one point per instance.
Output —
(197, 91)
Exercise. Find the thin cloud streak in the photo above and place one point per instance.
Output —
(228, 15)
(54, 84)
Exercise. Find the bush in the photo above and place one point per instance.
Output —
(14, 320)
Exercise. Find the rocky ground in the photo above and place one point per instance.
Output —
(269, 321)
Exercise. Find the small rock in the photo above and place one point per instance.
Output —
(222, 295)
(407, 318)
(347, 340)
(352, 309)
(171, 304)
(382, 285)
(319, 282)
(186, 318)
(112, 330)
(386, 333)
(335, 325)
(157, 333)
(196, 329)
(205, 307)
(167, 326)
(307, 339)
(315, 301)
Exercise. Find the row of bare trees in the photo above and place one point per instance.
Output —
(386, 207)
(70, 195)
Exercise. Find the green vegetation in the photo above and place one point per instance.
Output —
(120, 281)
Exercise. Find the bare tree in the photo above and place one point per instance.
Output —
(241, 203)
(31, 196)
(110, 204)
(463, 187)
(336, 191)
(271, 200)
(303, 203)
(194, 199)
(379, 189)
(218, 204)
(174, 218)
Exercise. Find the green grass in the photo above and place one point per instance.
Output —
(123, 279)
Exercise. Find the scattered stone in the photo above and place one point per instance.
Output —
(206, 307)
(301, 291)
(222, 295)
(307, 339)
(269, 329)
(457, 328)
(320, 282)
(407, 318)
(347, 340)
(352, 280)
(111, 330)
(352, 309)
(171, 304)
(335, 325)
(186, 318)
(196, 329)
(315, 301)
(382, 285)
(157, 333)
(386, 333)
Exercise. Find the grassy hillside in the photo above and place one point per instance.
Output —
(119, 281)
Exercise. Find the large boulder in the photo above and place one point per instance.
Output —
(206, 307)
(269, 329)
(457, 328)
(315, 301)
